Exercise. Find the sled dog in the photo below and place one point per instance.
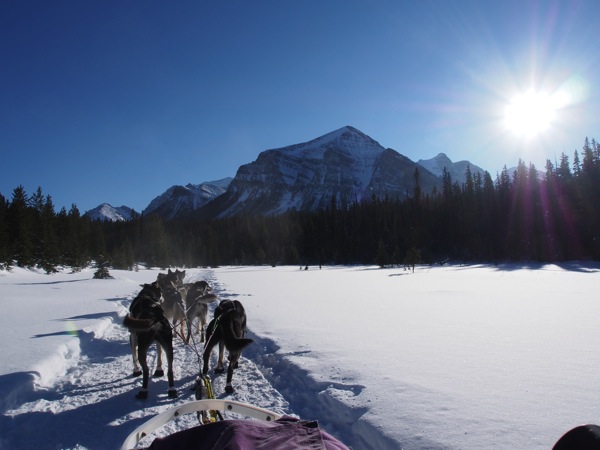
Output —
(227, 329)
(176, 277)
(197, 298)
(174, 304)
(147, 323)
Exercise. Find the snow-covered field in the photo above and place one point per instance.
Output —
(454, 357)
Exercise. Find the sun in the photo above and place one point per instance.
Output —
(530, 114)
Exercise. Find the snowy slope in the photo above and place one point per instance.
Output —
(456, 170)
(181, 200)
(106, 212)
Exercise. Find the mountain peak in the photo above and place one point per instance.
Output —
(180, 200)
(106, 212)
(345, 164)
(457, 170)
(347, 139)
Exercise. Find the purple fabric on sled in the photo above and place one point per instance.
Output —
(285, 433)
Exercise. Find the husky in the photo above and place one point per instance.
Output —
(198, 296)
(174, 303)
(176, 277)
(147, 323)
(227, 329)
(180, 276)
(147, 292)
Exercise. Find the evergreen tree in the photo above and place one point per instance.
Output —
(446, 184)
(382, 259)
(5, 247)
(50, 253)
(417, 188)
(20, 228)
(469, 183)
(102, 266)
(576, 164)
(412, 258)
(563, 171)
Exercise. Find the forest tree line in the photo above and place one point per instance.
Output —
(518, 216)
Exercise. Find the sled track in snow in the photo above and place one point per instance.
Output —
(332, 403)
(87, 387)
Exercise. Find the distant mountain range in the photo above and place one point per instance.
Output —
(342, 166)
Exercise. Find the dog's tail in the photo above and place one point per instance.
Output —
(232, 333)
(133, 324)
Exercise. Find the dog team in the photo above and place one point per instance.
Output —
(168, 307)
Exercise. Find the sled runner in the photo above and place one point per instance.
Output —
(270, 430)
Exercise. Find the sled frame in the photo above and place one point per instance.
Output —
(153, 424)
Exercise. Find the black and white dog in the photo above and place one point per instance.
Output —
(227, 329)
(147, 323)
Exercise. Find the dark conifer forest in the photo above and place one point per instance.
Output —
(528, 215)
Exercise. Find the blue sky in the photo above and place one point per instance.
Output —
(115, 101)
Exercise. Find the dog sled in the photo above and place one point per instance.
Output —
(263, 429)
(268, 430)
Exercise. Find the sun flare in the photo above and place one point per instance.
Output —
(530, 114)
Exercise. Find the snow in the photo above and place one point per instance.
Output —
(457, 170)
(358, 146)
(453, 357)
(191, 195)
(110, 213)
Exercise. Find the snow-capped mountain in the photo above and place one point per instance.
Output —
(181, 200)
(345, 164)
(456, 170)
(106, 212)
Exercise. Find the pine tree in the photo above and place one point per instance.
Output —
(413, 257)
(20, 226)
(382, 259)
(446, 184)
(50, 254)
(417, 187)
(576, 164)
(563, 171)
(5, 248)
(102, 266)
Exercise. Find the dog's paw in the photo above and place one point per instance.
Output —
(142, 395)
(229, 389)
(159, 373)
(136, 373)
(220, 370)
(172, 393)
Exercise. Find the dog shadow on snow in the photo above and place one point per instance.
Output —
(94, 425)
(103, 415)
